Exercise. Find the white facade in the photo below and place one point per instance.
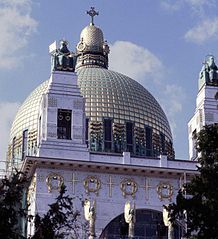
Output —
(110, 179)
(62, 93)
(206, 110)
(150, 183)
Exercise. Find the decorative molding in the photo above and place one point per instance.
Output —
(110, 184)
(52, 134)
(40, 178)
(74, 181)
(52, 102)
(77, 132)
(147, 188)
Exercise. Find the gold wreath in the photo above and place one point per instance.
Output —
(128, 182)
(96, 181)
(54, 176)
(167, 186)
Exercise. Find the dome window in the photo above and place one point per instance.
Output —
(162, 141)
(129, 136)
(13, 148)
(25, 144)
(107, 134)
(148, 138)
(87, 132)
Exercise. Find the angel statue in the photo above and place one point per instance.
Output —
(90, 216)
(130, 217)
(168, 223)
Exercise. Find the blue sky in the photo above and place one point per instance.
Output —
(160, 43)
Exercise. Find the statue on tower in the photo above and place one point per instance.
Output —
(130, 218)
(62, 58)
(90, 216)
(213, 74)
(209, 72)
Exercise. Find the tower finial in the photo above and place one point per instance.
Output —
(92, 13)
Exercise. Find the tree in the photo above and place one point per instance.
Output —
(60, 221)
(200, 208)
(11, 209)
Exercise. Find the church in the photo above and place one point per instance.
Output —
(106, 138)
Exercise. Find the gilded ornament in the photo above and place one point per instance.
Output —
(31, 189)
(92, 184)
(81, 45)
(128, 187)
(130, 217)
(54, 181)
(165, 191)
(110, 184)
(90, 216)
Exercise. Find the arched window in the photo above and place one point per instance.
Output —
(149, 225)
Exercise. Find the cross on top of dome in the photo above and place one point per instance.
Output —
(92, 13)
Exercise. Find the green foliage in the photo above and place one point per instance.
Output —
(60, 221)
(11, 211)
(201, 207)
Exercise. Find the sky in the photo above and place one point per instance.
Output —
(160, 43)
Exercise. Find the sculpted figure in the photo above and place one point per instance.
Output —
(63, 59)
(130, 217)
(168, 223)
(90, 216)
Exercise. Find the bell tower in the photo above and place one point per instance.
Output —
(206, 111)
(61, 127)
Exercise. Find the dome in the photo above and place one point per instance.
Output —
(27, 115)
(108, 95)
(92, 49)
(121, 115)
(113, 95)
(92, 36)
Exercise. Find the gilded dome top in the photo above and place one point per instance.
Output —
(92, 49)
(92, 36)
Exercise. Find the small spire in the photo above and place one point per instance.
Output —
(92, 13)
